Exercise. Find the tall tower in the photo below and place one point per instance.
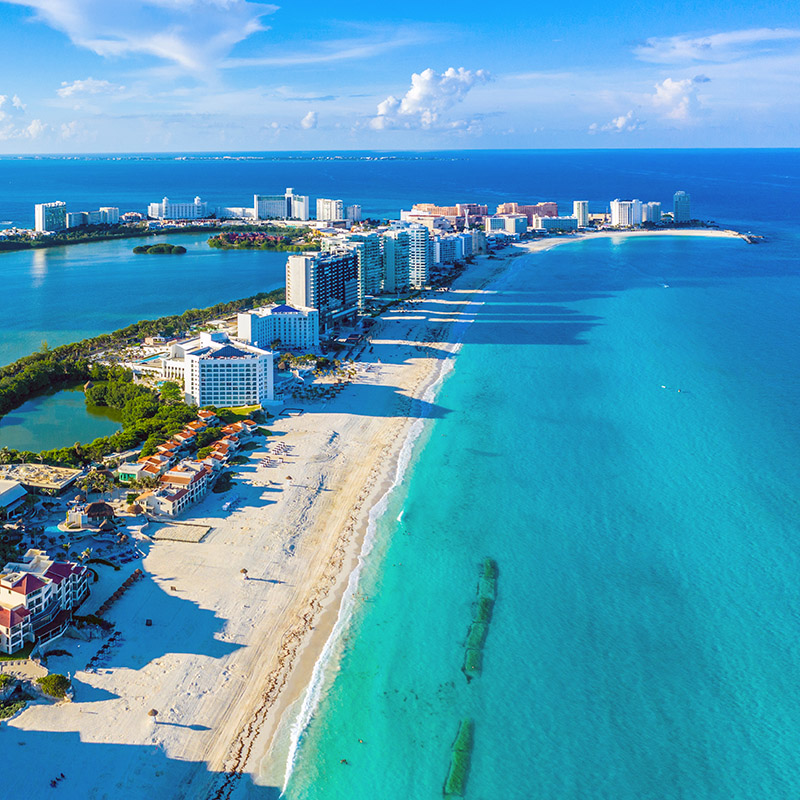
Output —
(681, 210)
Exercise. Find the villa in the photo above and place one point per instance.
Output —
(37, 598)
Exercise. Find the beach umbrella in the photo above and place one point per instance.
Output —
(152, 713)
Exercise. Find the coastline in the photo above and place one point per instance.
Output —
(234, 656)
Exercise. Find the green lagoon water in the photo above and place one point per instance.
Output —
(56, 420)
(645, 636)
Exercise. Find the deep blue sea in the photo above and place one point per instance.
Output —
(644, 644)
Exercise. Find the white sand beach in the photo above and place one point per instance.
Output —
(226, 657)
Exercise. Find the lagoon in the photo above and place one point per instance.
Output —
(56, 420)
(64, 294)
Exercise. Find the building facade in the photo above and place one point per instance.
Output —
(51, 216)
(327, 282)
(531, 210)
(330, 210)
(681, 207)
(353, 213)
(289, 326)
(281, 206)
(580, 210)
(651, 212)
(555, 223)
(197, 209)
(217, 371)
(37, 598)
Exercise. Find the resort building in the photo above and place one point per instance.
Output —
(510, 223)
(651, 212)
(12, 496)
(330, 210)
(110, 215)
(50, 216)
(197, 209)
(681, 207)
(459, 215)
(407, 257)
(580, 210)
(37, 597)
(548, 209)
(353, 213)
(281, 206)
(555, 223)
(280, 324)
(75, 219)
(217, 371)
(327, 282)
(368, 248)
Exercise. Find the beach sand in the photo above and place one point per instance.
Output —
(226, 659)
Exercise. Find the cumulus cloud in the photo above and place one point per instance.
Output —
(309, 121)
(193, 34)
(11, 106)
(431, 95)
(676, 99)
(718, 47)
(88, 86)
(620, 124)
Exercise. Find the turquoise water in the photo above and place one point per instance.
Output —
(64, 294)
(644, 642)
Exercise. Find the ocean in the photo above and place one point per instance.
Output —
(619, 432)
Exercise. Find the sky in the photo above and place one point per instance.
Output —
(92, 76)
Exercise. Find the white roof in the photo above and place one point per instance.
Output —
(10, 492)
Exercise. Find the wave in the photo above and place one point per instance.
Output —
(317, 683)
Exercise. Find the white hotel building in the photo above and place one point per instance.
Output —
(197, 209)
(291, 327)
(217, 371)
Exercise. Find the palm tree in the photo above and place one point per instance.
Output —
(5, 455)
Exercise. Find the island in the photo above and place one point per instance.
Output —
(161, 249)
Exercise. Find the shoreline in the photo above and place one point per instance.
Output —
(232, 658)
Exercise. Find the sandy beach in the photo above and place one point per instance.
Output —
(226, 658)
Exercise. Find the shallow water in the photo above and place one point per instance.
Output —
(644, 638)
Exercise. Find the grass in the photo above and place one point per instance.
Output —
(240, 460)
(237, 413)
(54, 685)
(23, 653)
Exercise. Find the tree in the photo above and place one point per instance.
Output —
(171, 392)
(54, 685)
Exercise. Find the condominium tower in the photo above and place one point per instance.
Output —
(330, 210)
(580, 210)
(325, 281)
(281, 206)
(51, 216)
(681, 211)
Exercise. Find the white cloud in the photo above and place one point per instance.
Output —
(676, 99)
(35, 129)
(193, 34)
(69, 129)
(431, 94)
(309, 121)
(88, 86)
(620, 124)
(718, 47)
(11, 106)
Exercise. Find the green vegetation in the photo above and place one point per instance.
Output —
(224, 483)
(280, 240)
(240, 460)
(171, 392)
(5, 680)
(14, 704)
(20, 654)
(237, 414)
(103, 561)
(63, 366)
(163, 248)
(54, 685)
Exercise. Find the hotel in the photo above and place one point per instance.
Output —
(580, 210)
(216, 371)
(50, 216)
(330, 210)
(197, 209)
(280, 324)
(327, 282)
(681, 207)
(281, 206)
(37, 598)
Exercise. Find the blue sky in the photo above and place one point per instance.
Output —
(183, 75)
